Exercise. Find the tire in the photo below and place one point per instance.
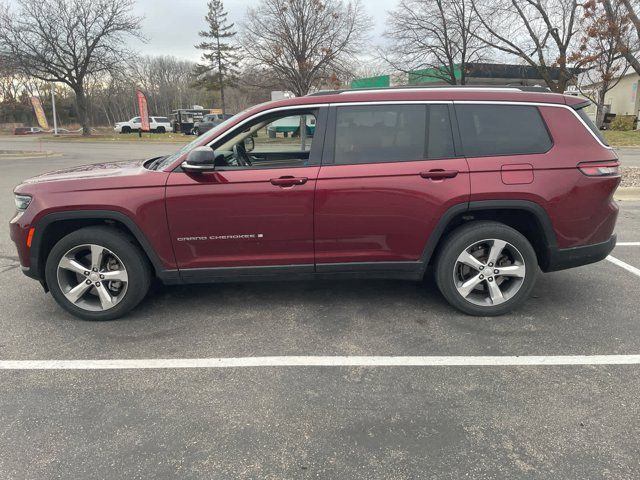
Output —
(195, 131)
(475, 243)
(125, 130)
(118, 257)
(160, 130)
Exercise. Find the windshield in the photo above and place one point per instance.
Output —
(168, 160)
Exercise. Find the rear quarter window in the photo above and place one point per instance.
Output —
(489, 130)
(582, 113)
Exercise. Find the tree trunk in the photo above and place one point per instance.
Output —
(82, 108)
(602, 91)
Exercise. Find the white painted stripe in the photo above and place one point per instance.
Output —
(626, 266)
(628, 244)
(320, 361)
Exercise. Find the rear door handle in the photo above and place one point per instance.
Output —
(288, 181)
(439, 174)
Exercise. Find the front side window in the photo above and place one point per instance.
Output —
(136, 120)
(273, 141)
(392, 133)
(489, 130)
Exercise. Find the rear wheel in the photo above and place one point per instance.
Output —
(486, 268)
(126, 129)
(97, 273)
(160, 130)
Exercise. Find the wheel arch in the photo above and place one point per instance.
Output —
(527, 217)
(53, 226)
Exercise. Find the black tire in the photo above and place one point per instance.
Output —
(196, 131)
(122, 245)
(125, 130)
(462, 238)
(160, 130)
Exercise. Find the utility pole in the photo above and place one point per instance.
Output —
(53, 104)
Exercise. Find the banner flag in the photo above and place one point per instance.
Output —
(39, 111)
(144, 112)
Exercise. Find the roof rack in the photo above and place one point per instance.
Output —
(522, 88)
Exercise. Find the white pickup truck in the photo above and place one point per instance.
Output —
(156, 124)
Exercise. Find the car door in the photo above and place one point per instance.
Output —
(241, 216)
(389, 172)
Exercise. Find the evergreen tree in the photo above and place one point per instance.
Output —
(220, 57)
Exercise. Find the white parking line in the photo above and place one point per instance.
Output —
(626, 266)
(320, 361)
(628, 244)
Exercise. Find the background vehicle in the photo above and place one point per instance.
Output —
(485, 186)
(131, 125)
(27, 130)
(208, 122)
(156, 124)
(184, 119)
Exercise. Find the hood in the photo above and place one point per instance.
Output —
(98, 170)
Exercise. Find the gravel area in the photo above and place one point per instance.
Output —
(630, 177)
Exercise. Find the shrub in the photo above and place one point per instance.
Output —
(623, 123)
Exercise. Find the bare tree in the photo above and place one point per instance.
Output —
(434, 35)
(600, 54)
(220, 57)
(68, 41)
(303, 43)
(540, 32)
(626, 11)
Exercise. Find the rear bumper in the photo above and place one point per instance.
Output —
(562, 259)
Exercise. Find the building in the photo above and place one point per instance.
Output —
(622, 99)
(476, 74)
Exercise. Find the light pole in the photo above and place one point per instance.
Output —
(53, 104)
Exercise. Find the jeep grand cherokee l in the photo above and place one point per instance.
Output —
(485, 185)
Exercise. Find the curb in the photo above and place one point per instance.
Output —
(627, 194)
(27, 155)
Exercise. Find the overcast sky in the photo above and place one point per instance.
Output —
(172, 26)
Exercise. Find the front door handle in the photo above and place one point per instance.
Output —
(439, 174)
(288, 181)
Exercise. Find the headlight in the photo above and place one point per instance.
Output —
(22, 201)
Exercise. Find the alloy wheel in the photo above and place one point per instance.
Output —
(92, 277)
(489, 272)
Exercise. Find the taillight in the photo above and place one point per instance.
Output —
(600, 169)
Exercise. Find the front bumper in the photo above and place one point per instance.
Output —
(562, 259)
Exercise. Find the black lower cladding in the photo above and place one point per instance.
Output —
(562, 259)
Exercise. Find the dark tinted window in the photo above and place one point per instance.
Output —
(592, 126)
(502, 130)
(162, 120)
(392, 133)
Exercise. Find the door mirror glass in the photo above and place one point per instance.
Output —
(200, 159)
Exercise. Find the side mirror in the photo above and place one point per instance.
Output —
(249, 144)
(200, 159)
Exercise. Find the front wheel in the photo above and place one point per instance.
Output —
(97, 273)
(486, 268)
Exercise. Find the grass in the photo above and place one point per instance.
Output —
(120, 138)
(618, 138)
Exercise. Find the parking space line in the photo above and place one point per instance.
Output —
(626, 266)
(321, 361)
(628, 244)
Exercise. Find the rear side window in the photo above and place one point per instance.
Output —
(162, 120)
(392, 133)
(592, 126)
(488, 130)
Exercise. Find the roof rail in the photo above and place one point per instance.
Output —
(522, 88)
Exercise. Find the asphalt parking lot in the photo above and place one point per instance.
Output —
(299, 421)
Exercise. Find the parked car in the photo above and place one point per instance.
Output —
(208, 122)
(156, 125)
(27, 130)
(483, 186)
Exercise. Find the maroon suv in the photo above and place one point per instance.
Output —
(487, 185)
